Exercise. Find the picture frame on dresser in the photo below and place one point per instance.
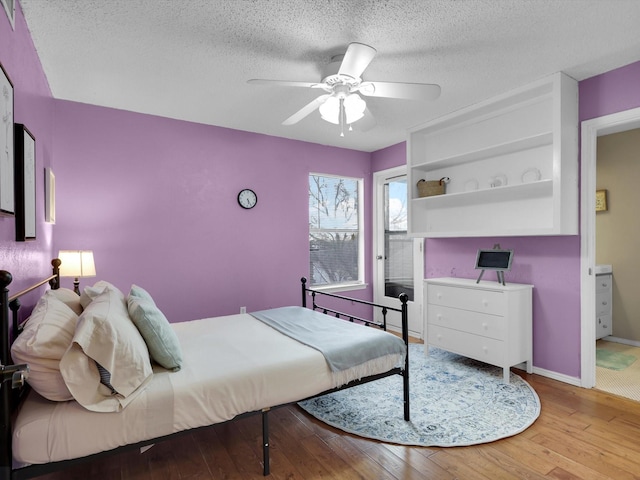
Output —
(25, 175)
(7, 201)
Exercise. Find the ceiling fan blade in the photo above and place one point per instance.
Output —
(407, 91)
(356, 59)
(284, 83)
(306, 110)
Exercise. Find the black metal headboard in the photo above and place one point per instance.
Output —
(7, 333)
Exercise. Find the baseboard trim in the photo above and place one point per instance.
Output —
(633, 343)
(553, 375)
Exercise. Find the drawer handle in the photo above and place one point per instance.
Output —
(485, 303)
(485, 326)
(604, 303)
(439, 295)
(439, 316)
(485, 349)
(439, 337)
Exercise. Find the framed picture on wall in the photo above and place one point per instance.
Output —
(25, 164)
(7, 202)
(10, 9)
(49, 196)
(601, 201)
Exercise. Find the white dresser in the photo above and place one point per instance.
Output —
(485, 321)
(604, 301)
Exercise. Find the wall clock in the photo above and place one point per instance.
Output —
(247, 198)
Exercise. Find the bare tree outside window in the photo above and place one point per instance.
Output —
(334, 230)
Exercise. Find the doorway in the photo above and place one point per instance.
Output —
(398, 263)
(591, 130)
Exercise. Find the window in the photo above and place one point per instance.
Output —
(336, 231)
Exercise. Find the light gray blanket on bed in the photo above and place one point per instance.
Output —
(344, 344)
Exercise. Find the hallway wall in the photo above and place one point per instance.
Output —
(618, 228)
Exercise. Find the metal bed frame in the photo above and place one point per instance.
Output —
(10, 397)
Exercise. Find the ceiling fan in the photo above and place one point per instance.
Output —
(342, 81)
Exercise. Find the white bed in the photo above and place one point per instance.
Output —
(232, 365)
(109, 372)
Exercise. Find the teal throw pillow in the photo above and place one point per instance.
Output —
(161, 339)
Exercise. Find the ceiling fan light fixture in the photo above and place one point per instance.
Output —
(354, 108)
(330, 110)
(341, 78)
(353, 105)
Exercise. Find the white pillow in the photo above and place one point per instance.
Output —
(89, 293)
(43, 342)
(68, 297)
(106, 335)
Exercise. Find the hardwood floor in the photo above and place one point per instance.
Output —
(580, 434)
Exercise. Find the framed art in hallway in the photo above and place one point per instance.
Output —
(601, 201)
(7, 202)
(25, 174)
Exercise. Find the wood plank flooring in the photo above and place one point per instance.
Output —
(580, 434)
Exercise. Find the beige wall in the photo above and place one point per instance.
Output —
(618, 229)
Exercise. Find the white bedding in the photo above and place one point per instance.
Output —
(232, 365)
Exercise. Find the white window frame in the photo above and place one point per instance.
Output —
(360, 283)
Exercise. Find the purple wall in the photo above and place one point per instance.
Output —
(612, 92)
(389, 157)
(155, 199)
(33, 107)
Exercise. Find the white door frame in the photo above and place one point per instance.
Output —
(591, 130)
(418, 255)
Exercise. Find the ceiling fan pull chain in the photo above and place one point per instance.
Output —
(342, 117)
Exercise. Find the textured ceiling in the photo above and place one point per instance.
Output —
(190, 59)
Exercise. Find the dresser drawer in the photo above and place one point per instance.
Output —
(474, 299)
(603, 326)
(491, 326)
(603, 303)
(604, 283)
(487, 350)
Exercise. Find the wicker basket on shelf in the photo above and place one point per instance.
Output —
(429, 188)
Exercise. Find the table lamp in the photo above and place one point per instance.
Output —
(77, 263)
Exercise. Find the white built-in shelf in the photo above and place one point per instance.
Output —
(512, 162)
(489, 152)
(540, 188)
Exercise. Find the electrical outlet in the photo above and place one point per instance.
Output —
(243, 309)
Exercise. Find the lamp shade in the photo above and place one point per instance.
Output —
(77, 263)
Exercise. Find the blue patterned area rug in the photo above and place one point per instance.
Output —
(455, 401)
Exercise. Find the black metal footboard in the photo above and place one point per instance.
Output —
(403, 297)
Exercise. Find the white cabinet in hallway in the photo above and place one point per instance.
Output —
(604, 301)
